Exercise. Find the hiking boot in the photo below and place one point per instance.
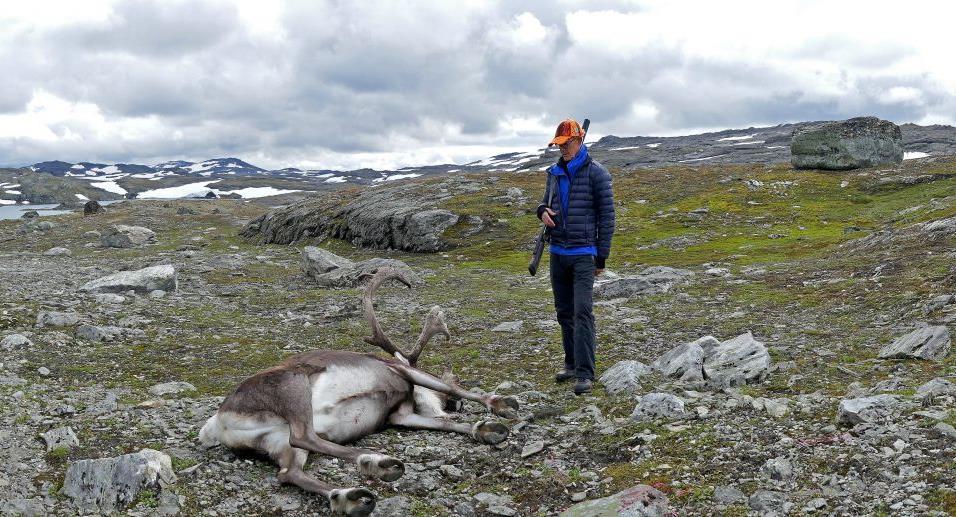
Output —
(564, 375)
(583, 386)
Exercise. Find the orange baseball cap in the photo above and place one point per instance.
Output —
(567, 130)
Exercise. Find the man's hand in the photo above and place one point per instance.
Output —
(598, 272)
(546, 217)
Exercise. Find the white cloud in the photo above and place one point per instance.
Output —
(329, 84)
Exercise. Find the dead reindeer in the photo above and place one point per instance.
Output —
(318, 401)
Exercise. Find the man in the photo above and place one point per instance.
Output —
(581, 219)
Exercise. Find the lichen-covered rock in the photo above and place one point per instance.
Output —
(60, 438)
(317, 261)
(15, 341)
(111, 484)
(659, 405)
(624, 377)
(738, 361)
(142, 281)
(686, 362)
(847, 144)
(96, 333)
(653, 280)
(124, 236)
(637, 501)
(930, 342)
(57, 319)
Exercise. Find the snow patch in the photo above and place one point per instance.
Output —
(109, 186)
(626, 148)
(187, 190)
(914, 154)
(730, 138)
(655, 144)
(7, 202)
(78, 166)
(81, 197)
(254, 192)
(336, 179)
(16, 192)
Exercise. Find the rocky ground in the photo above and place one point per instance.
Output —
(825, 270)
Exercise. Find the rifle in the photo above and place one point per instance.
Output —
(544, 235)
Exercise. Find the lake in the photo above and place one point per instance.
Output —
(15, 211)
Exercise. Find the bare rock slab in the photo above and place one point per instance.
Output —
(123, 236)
(142, 281)
(637, 501)
(931, 343)
(15, 341)
(111, 484)
(624, 377)
(171, 388)
(653, 280)
(847, 144)
(738, 361)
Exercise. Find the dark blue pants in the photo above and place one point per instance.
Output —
(572, 280)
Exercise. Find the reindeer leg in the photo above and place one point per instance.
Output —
(486, 431)
(302, 435)
(502, 406)
(354, 502)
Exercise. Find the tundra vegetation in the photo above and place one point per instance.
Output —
(825, 268)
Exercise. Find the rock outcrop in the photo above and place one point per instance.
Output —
(374, 219)
(847, 144)
(624, 377)
(637, 501)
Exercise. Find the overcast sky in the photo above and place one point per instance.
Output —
(350, 84)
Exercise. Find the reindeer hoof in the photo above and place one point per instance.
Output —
(354, 502)
(490, 432)
(380, 466)
(504, 406)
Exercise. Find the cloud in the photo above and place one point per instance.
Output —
(354, 84)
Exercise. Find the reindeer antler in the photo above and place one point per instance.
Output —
(434, 324)
(378, 337)
(434, 321)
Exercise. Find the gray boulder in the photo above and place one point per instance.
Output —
(331, 270)
(738, 361)
(637, 501)
(875, 409)
(142, 281)
(728, 495)
(930, 342)
(940, 227)
(60, 438)
(123, 236)
(15, 341)
(57, 319)
(317, 261)
(778, 469)
(659, 405)
(653, 280)
(111, 484)
(847, 144)
(686, 362)
(624, 377)
(938, 303)
(935, 388)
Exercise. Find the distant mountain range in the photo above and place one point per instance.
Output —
(235, 177)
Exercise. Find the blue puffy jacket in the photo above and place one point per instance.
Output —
(589, 220)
